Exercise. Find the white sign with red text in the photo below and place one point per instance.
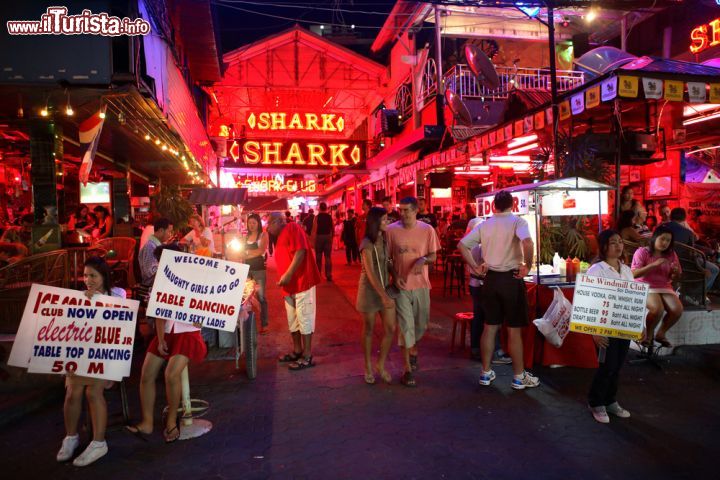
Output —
(63, 331)
(521, 204)
(203, 291)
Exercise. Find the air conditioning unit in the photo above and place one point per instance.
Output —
(388, 122)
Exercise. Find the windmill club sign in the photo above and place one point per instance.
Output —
(293, 153)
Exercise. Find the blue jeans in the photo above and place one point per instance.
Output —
(260, 277)
(714, 270)
(478, 322)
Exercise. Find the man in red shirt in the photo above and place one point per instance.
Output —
(298, 277)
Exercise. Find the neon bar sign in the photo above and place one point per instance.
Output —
(705, 36)
(274, 121)
(296, 154)
(277, 183)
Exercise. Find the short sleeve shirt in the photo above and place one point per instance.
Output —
(291, 239)
(406, 246)
(194, 240)
(500, 237)
(658, 277)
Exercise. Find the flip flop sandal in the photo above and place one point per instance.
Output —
(302, 364)
(408, 380)
(370, 379)
(135, 431)
(290, 357)
(664, 342)
(386, 377)
(171, 437)
(414, 362)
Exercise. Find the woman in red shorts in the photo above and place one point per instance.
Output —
(177, 343)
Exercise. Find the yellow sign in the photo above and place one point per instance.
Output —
(714, 93)
(674, 90)
(539, 120)
(564, 110)
(628, 86)
(323, 122)
(592, 97)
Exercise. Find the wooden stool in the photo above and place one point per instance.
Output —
(463, 318)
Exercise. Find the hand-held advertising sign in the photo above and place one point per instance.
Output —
(609, 307)
(62, 331)
(203, 291)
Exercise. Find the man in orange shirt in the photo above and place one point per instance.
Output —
(361, 219)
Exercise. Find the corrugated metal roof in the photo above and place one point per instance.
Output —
(665, 65)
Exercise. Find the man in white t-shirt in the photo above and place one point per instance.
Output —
(507, 254)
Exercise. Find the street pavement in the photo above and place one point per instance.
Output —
(325, 423)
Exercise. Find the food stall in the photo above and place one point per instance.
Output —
(575, 198)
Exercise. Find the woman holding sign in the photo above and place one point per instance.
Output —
(256, 243)
(601, 399)
(658, 266)
(98, 281)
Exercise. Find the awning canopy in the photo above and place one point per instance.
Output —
(219, 196)
(569, 184)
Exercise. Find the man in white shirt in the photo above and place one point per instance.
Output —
(507, 254)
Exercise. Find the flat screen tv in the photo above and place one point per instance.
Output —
(660, 187)
(95, 193)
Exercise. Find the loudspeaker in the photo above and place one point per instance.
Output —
(581, 44)
(440, 179)
(389, 122)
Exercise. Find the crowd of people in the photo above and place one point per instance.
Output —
(394, 248)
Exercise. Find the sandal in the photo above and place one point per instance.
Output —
(408, 380)
(290, 357)
(302, 364)
(370, 379)
(663, 341)
(414, 362)
(171, 437)
(386, 377)
(135, 430)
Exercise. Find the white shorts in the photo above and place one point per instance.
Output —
(300, 309)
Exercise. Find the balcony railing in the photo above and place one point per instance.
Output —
(462, 81)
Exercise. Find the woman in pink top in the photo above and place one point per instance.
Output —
(658, 266)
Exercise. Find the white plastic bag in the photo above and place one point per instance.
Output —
(555, 324)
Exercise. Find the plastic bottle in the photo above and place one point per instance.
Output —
(576, 267)
(569, 269)
(556, 263)
(562, 268)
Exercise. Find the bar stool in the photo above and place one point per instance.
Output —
(455, 268)
(462, 318)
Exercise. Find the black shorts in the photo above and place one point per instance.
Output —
(504, 300)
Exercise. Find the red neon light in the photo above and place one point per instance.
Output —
(307, 154)
(274, 121)
(275, 184)
(705, 36)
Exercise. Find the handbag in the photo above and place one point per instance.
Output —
(391, 290)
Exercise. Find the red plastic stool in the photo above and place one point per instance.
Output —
(463, 318)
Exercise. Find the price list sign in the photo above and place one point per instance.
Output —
(609, 307)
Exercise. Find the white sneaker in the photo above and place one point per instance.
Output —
(93, 452)
(528, 380)
(599, 414)
(487, 378)
(617, 410)
(69, 444)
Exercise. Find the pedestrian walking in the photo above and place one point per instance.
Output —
(360, 220)
(298, 277)
(412, 246)
(256, 243)
(98, 279)
(322, 236)
(507, 254)
(602, 396)
(372, 297)
(352, 254)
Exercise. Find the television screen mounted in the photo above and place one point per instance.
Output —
(95, 193)
(659, 187)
